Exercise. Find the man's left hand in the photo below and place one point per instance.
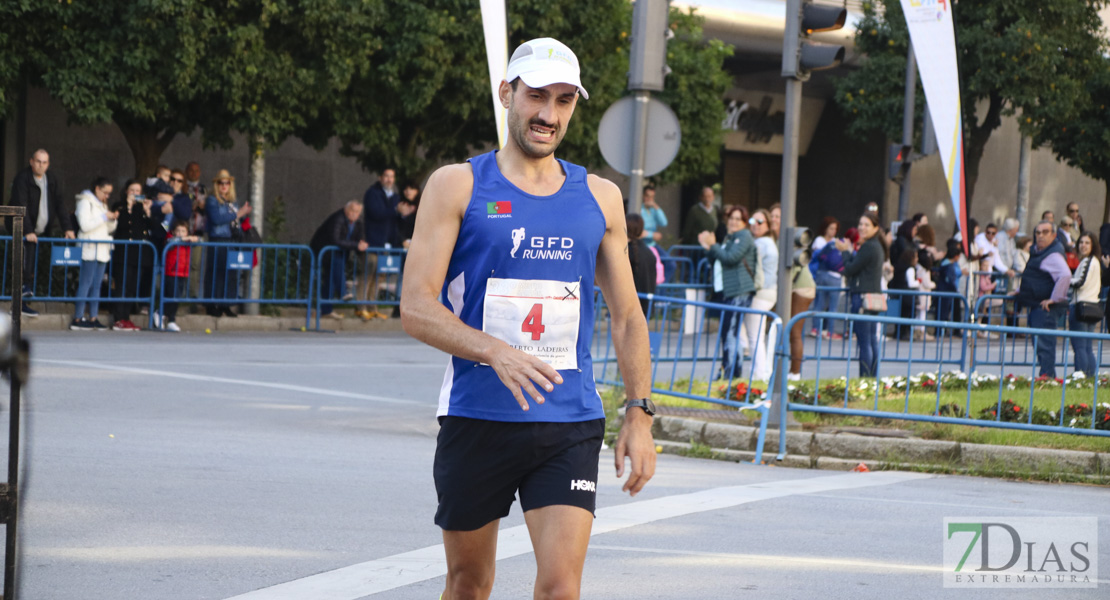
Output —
(635, 442)
(1046, 304)
(70, 236)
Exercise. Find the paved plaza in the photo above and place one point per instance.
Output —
(288, 466)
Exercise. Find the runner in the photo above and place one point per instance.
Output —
(511, 240)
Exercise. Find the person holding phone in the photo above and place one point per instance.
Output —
(94, 222)
(133, 263)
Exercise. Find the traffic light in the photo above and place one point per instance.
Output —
(896, 157)
(649, 45)
(799, 55)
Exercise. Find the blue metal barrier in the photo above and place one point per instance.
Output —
(882, 392)
(372, 279)
(687, 347)
(898, 349)
(55, 264)
(287, 273)
(682, 268)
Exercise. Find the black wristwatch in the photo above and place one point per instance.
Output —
(644, 403)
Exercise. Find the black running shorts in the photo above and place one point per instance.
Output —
(481, 465)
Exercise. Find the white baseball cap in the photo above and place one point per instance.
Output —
(544, 61)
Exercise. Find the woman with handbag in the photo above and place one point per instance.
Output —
(222, 216)
(864, 272)
(1085, 311)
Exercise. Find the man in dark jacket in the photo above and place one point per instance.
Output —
(380, 204)
(344, 229)
(1044, 290)
(37, 190)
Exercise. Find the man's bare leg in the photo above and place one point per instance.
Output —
(560, 535)
(471, 559)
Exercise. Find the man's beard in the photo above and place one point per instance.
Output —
(519, 130)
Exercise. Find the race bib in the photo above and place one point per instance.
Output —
(536, 316)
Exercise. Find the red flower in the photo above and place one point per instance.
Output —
(1083, 406)
(1017, 409)
(1058, 380)
(994, 414)
(757, 391)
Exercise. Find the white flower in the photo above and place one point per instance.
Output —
(1010, 387)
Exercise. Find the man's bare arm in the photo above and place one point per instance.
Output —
(630, 336)
(437, 229)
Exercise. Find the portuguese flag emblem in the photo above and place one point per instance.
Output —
(499, 208)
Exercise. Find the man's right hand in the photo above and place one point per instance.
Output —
(30, 237)
(519, 371)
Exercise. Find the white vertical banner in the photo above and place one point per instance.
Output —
(934, 44)
(497, 53)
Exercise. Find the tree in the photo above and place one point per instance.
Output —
(1021, 57)
(1083, 141)
(162, 68)
(13, 53)
(401, 84)
(427, 100)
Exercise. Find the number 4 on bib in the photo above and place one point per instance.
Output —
(533, 323)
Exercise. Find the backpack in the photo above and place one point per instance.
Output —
(659, 272)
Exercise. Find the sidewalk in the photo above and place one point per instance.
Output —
(846, 448)
(199, 323)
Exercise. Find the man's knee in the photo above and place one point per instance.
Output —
(557, 588)
(469, 582)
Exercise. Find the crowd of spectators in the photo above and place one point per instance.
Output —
(1051, 279)
(178, 208)
(1056, 275)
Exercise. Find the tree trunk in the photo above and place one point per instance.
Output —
(147, 144)
(977, 142)
(1106, 206)
(257, 216)
(1025, 164)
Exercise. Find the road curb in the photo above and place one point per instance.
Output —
(845, 450)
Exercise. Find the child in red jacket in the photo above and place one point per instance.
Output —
(178, 257)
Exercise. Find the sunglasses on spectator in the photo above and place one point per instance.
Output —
(177, 180)
(757, 221)
(1043, 232)
(223, 183)
(991, 232)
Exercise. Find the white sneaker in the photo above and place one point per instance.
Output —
(171, 326)
(793, 376)
(157, 320)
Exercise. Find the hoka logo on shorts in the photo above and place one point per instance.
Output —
(583, 485)
(542, 248)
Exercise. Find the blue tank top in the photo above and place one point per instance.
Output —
(523, 271)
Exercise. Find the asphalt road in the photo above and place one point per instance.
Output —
(299, 466)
